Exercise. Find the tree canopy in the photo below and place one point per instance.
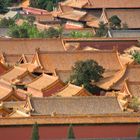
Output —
(3, 6)
(115, 22)
(44, 4)
(79, 34)
(85, 72)
(102, 30)
(70, 133)
(134, 104)
(35, 132)
(24, 31)
(136, 57)
(28, 30)
(5, 3)
(5, 23)
(138, 132)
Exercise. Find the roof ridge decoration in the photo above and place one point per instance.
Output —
(55, 78)
(74, 97)
(125, 87)
(103, 16)
(35, 59)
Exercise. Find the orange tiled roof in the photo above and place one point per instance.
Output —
(94, 23)
(3, 68)
(25, 3)
(63, 75)
(132, 49)
(28, 46)
(17, 75)
(102, 3)
(7, 92)
(126, 59)
(76, 15)
(13, 59)
(73, 15)
(44, 17)
(32, 10)
(129, 72)
(71, 106)
(65, 60)
(122, 118)
(43, 82)
(72, 90)
(29, 66)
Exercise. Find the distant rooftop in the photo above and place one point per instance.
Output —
(124, 33)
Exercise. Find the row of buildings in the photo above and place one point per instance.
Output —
(85, 16)
(34, 87)
(34, 74)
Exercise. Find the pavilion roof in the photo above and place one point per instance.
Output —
(72, 90)
(43, 82)
(129, 72)
(16, 75)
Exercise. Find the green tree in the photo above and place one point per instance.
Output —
(134, 104)
(31, 19)
(70, 133)
(13, 32)
(136, 56)
(33, 3)
(138, 133)
(102, 30)
(3, 6)
(44, 4)
(35, 132)
(5, 23)
(79, 34)
(115, 22)
(49, 6)
(85, 72)
(52, 33)
(26, 30)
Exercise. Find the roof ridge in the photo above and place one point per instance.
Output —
(67, 86)
(75, 86)
(50, 76)
(76, 52)
(73, 97)
(28, 39)
(8, 89)
(21, 68)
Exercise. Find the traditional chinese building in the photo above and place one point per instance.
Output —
(45, 85)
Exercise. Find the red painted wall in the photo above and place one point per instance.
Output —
(56, 132)
(108, 45)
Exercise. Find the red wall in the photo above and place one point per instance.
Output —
(56, 132)
(108, 45)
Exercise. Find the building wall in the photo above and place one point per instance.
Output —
(60, 132)
(48, 92)
(107, 45)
